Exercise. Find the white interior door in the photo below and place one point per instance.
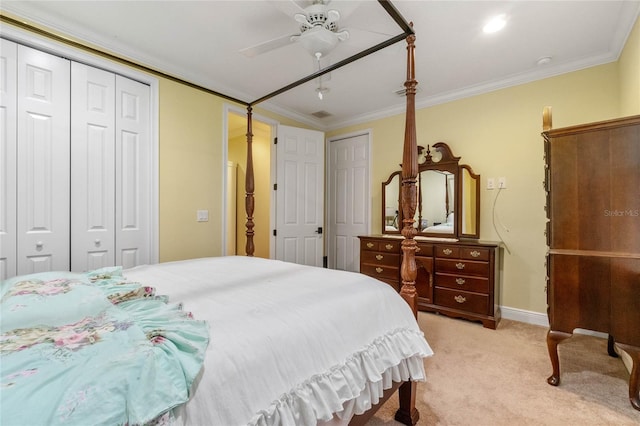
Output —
(349, 200)
(8, 157)
(93, 168)
(299, 195)
(133, 170)
(43, 162)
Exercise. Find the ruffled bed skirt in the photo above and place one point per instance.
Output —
(353, 387)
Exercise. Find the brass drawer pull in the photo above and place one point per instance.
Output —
(447, 251)
(369, 245)
(379, 270)
(379, 256)
(460, 265)
(475, 253)
(460, 299)
(460, 281)
(389, 246)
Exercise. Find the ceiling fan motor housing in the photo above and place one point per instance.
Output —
(317, 15)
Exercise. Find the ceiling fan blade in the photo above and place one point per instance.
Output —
(288, 7)
(301, 18)
(332, 16)
(267, 46)
(346, 8)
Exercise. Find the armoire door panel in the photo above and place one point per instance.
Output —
(133, 171)
(93, 168)
(8, 158)
(43, 161)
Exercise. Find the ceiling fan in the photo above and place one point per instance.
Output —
(319, 32)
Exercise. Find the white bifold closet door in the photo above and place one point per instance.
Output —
(8, 155)
(75, 164)
(43, 161)
(110, 158)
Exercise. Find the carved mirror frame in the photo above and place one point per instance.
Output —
(462, 198)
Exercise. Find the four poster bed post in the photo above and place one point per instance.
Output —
(249, 186)
(407, 412)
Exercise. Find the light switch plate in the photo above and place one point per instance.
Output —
(491, 183)
(203, 215)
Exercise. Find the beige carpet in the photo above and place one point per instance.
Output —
(498, 377)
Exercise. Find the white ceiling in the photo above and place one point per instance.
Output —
(200, 42)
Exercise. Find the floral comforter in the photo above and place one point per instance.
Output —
(93, 349)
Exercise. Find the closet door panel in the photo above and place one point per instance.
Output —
(133, 167)
(43, 162)
(93, 168)
(8, 146)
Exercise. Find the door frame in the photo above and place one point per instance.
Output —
(329, 226)
(273, 125)
(45, 44)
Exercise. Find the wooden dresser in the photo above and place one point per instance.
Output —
(593, 233)
(457, 278)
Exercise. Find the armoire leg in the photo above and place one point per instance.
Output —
(553, 339)
(610, 349)
(634, 380)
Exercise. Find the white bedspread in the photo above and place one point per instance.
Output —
(289, 344)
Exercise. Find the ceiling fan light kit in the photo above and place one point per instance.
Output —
(320, 40)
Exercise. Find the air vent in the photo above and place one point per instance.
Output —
(321, 114)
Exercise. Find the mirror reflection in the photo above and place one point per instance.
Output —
(436, 215)
(448, 193)
(470, 205)
(391, 204)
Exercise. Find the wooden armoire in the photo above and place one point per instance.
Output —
(593, 233)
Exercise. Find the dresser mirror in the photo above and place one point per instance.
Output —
(448, 203)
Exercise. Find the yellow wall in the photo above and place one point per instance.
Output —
(190, 172)
(498, 134)
(629, 63)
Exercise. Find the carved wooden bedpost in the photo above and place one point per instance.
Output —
(249, 187)
(407, 413)
(408, 270)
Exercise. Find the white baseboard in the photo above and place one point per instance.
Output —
(528, 317)
(536, 318)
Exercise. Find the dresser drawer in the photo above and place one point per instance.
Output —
(463, 283)
(424, 249)
(451, 252)
(473, 253)
(389, 272)
(390, 246)
(462, 267)
(462, 300)
(381, 258)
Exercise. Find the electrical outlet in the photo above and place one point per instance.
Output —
(502, 182)
(491, 183)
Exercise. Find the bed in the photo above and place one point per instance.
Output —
(219, 341)
(259, 342)
(442, 228)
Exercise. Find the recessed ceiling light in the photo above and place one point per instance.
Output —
(495, 24)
